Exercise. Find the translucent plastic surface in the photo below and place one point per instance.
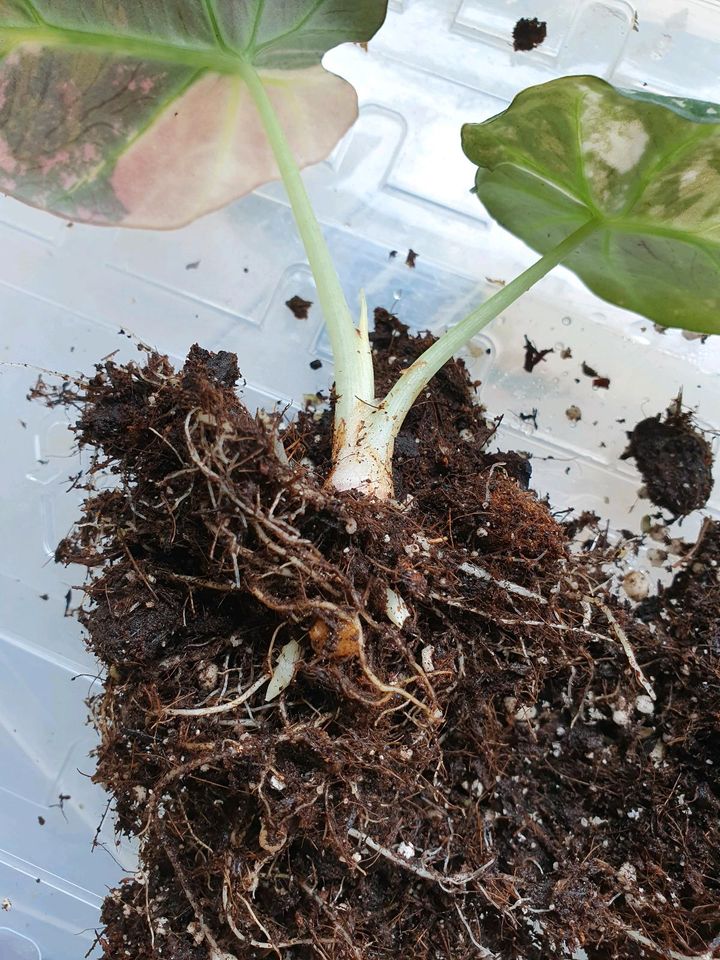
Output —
(398, 181)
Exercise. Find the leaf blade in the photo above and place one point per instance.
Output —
(575, 150)
(98, 100)
(294, 33)
(238, 159)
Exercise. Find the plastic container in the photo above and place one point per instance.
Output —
(398, 181)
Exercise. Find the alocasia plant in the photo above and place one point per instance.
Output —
(145, 114)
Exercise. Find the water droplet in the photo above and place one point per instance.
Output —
(559, 346)
(566, 321)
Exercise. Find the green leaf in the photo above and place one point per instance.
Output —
(135, 113)
(701, 111)
(644, 169)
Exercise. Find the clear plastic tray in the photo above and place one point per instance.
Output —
(398, 180)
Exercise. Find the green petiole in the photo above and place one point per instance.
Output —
(365, 428)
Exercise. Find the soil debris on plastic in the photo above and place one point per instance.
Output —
(299, 307)
(529, 33)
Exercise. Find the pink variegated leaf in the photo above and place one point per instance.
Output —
(134, 113)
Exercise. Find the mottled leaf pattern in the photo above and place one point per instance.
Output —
(645, 169)
(133, 113)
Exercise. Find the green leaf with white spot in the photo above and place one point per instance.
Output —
(701, 111)
(644, 169)
(135, 113)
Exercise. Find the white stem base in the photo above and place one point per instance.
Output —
(364, 471)
(363, 455)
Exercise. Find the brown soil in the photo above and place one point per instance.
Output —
(298, 307)
(491, 779)
(697, 588)
(529, 33)
(675, 460)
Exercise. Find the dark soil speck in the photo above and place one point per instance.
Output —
(533, 356)
(298, 307)
(529, 33)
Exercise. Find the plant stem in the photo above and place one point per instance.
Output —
(367, 466)
(354, 378)
(402, 396)
(364, 432)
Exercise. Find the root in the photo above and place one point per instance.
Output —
(474, 570)
(182, 770)
(184, 883)
(426, 873)
(491, 724)
(483, 952)
(390, 689)
(625, 643)
(710, 954)
(220, 707)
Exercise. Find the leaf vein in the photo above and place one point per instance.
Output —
(32, 11)
(294, 29)
(259, 13)
(215, 25)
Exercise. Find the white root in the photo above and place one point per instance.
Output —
(167, 443)
(427, 873)
(214, 950)
(243, 939)
(149, 916)
(474, 570)
(270, 945)
(332, 912)
(670, 954)
(228, 916)
(235, 751)
(625, 643)
(220, 707)
(615, 626)
(483, 952)
(388, 688)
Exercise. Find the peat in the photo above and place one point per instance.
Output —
(675, 460)
(493, 778)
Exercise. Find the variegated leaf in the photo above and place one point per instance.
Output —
(644, 169)
(134, 113)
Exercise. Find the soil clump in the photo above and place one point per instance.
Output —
(477, 753)
(675, 460)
